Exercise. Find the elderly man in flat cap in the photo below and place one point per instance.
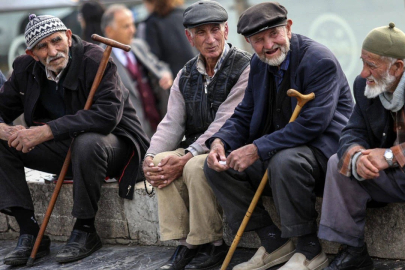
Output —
(203, 96)
(50, 86)
(259, 137)
(371, 158)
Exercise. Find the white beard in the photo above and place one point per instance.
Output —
(63, 65)
(279, 59)
(380, 87)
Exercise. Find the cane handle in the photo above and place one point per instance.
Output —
(111, 42)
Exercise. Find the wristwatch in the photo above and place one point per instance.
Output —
(389, 156)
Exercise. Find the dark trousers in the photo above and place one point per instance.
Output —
(94, 156)
(345, 202)
(293, 174)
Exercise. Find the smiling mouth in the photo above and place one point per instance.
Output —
(271, 52)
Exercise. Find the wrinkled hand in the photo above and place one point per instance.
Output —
(166, 80)
(169, 169)
(217, 153)
(371, 162)
(26, 139)
(149, 169)
(243, 157)
(6, 131)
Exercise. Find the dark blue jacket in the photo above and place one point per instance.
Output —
(313, 68)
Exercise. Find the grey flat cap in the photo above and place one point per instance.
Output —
(261, 17)
(204, 12)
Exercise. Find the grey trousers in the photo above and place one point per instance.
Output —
(293, 174)
(94, 156)
(345, 201)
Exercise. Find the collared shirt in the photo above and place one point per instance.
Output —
(203, 71)
(51, 76)
(278, 73)
(122, 58)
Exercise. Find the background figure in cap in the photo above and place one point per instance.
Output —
(50, 85)
(370, 161)
(259, 137)
(204, 94)
(147, 79)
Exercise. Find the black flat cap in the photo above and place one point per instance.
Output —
(204, 12)
(261, 17)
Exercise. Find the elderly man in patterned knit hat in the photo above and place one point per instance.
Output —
(371, 157)
(50, 85)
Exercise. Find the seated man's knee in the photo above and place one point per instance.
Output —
(87, 144)
(194, 169)
(333, 163)
(284, 160)
(158, 158)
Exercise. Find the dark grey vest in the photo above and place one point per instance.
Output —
(202, 107)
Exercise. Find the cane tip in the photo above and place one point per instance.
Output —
(30, 262)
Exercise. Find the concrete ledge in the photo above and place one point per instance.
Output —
(136, 222)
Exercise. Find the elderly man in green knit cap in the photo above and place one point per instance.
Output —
(371, 156)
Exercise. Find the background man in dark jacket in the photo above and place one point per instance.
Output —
(50, 86)
(370, 160)
(147, 79)
(203, 96)
(259, 137)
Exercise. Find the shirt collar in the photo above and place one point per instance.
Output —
(201, 63)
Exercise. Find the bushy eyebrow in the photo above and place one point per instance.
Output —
(43, 44)
(368, 63)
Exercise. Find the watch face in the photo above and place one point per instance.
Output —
(388, 154)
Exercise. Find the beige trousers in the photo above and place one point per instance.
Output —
(188, 207)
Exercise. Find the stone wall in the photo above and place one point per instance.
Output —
(136, 222)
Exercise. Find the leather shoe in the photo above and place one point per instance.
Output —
(80, 245)
(208, 256)
(180, 258)
(348, 258)
(299, 262)
(22, 252)
(263, 260)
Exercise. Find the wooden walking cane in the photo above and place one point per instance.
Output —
(99, 75)
(301, 101)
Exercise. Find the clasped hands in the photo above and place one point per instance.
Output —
(371, 162)
(169, 169)
(238, 159)
(24, 139)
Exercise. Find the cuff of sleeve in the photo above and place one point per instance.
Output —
(354, 167)
(398, 151)
(149, 155)
(192, 151)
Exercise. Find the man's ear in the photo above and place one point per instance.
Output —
(288, 26)
(29, 52)
(69, 36)
(247, 40)
(399, 68)
(189, 37)
(226, 31)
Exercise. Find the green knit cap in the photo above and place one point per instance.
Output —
(386, 41)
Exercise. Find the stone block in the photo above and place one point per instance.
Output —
(3, 223)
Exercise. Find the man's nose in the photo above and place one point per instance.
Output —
(365, 72)
(52, 51)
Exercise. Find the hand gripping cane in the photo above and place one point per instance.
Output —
(99, 75)
(301, 101)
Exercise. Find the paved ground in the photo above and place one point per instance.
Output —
(140, 258)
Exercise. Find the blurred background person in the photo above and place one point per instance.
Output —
(164, 33)
(90, 19)
(146, 78)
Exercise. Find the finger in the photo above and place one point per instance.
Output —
(163, 161)
(366, 152)
(369, 166)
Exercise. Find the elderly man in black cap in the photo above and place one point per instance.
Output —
(369, 164)
(50, 85)
(259, 137)
(204, 94)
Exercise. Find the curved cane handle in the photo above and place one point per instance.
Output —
(111, 42)
(301, 101)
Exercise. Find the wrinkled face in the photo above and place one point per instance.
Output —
(53, 51)
(377, 73)
(209, 39)
(122, 28)
(272, 45)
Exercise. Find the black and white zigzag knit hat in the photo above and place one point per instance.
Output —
(40, 27)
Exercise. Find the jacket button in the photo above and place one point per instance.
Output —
(383, 134)
(74, 134)
(277, 126)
